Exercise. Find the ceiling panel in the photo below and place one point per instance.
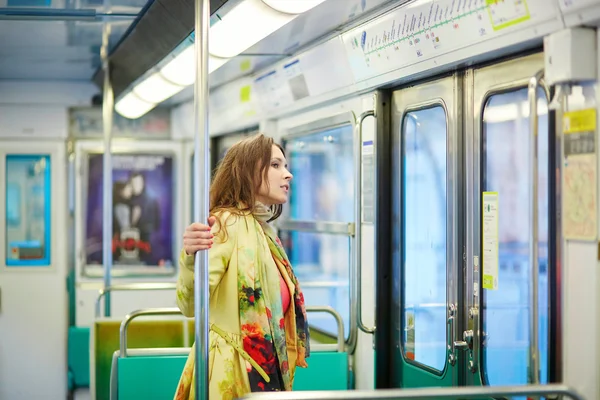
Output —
(44, 45)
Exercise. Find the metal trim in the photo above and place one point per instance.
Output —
(447, 93)
(334, 121)
(357, 264)
(327, 227)
(424, 393)
(130, 287)
(341, 342)
(135, 314)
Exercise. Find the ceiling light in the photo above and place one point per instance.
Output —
(155, 89)
(245, 25)
(292, 6)
(181, 70)
(132, 107)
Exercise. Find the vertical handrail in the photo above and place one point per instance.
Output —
(201, 155)
(357, 264)
(534, 362)
(107, 121)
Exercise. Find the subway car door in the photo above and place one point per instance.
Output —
(426, 127)
(499, 226)
(33, 268)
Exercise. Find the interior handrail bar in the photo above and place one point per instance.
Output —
(338, 319)
(130, 286)
(131, 316)
(453, 393)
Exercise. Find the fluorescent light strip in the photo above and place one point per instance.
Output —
(182, 69)
(245, 25)
(292, 6)
(132, 107)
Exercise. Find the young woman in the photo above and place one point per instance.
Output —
(258, 325)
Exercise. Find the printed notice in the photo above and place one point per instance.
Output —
(490, 240)
(580, 175)
(507, 13)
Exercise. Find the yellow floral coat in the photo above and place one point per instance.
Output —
(252, 345)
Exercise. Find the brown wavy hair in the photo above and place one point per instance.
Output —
(239, 176)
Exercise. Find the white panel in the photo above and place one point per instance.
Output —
(365, 356)
(427, 29)
(34, 314)
(21, 122)
(182, 121)
(580, 345)
(581, 299)
(322, 80)
(572, 5)
(56, 93)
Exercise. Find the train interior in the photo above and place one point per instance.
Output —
(443, 219)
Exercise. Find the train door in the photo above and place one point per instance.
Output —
(33, 295)
(504, 237)
(465, 308)
(426, 127)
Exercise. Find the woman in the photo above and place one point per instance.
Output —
(258, 325)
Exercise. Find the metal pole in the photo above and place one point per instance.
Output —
(534, 361)
(201, 205)
(107, 122)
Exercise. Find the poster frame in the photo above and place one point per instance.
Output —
(83, 150)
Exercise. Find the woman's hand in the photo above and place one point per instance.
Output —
(198, 237)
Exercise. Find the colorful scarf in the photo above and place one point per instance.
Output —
(262, 319)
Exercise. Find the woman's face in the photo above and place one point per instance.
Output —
(127, 191)
(276, 188)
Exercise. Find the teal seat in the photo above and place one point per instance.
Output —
(78, 357)
(149, 377)
(332, 365)
(156, 376)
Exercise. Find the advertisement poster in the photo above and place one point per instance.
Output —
(142, 212)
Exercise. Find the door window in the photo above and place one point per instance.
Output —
(28, 201)
(506, 310)
(424, 214)
(322, 164)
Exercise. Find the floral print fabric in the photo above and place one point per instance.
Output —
(260, 349)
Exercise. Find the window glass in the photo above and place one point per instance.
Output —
(28, 202)
(424, 174)
(506, 171)
(322, 190)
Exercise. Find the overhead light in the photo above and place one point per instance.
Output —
(131, 106)
(245, 25)
(182, 69)
(292, 6)
(155, 89)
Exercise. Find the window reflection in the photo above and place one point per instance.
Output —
(27, 210)
(424, 214)
(322, 190)
(506, 171)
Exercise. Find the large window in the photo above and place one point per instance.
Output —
(424, 141)
(322, 190)
(28, 202)
(506, 310)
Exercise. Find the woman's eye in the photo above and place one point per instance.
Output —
(275, 165)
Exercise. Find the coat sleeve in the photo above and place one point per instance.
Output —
(218, 262)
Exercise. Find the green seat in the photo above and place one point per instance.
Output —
(156, 376)
(141, 334)
(332, 365)
(78, 357)
(149, 377)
